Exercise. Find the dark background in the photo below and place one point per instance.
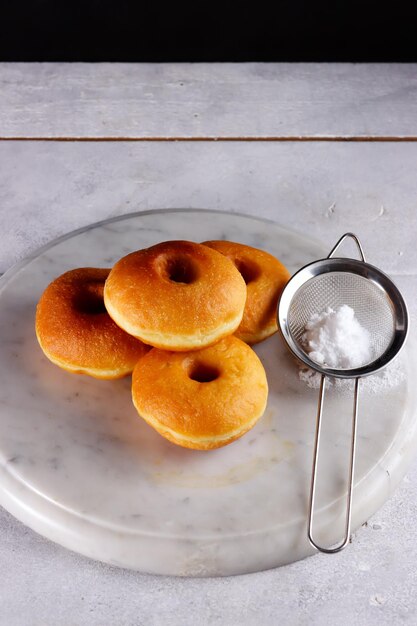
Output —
(123, 30)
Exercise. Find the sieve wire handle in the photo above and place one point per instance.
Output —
(346, 538)
(341, 240)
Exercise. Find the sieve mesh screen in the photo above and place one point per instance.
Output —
(371, 304)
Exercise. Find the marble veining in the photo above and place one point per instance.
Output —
(79, 466)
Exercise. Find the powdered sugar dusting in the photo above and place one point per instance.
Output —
(335, 338)
(390, 377)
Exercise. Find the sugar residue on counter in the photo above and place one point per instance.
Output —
(388, 378)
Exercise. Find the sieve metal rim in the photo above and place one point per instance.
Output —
(360, 268)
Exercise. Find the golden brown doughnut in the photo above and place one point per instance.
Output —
(265, 278)
(204, 399)
(176, 295)
(75, 331)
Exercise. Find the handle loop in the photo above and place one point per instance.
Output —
(341, 240)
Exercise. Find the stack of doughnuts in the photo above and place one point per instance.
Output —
(180, 316)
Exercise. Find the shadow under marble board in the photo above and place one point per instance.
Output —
(80, 467)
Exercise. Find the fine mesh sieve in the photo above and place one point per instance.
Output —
(372, 307)
(378, 306)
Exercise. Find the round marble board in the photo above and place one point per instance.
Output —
(80, 467)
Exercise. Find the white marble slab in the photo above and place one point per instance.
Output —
(255, 100)
(80, 467)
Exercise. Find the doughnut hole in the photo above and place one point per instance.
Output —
(249, 270)
(203, 372)
(90, 300)
(177, 269)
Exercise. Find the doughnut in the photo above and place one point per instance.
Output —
(76, 333)
(265, 278)
(204, 399)
(176, 295)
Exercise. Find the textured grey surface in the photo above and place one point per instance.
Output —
(207, 100)
(372, 582)
(321, 189)
(47, 189)
(51, 188)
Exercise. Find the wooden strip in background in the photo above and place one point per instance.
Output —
(245, 100)
(247, 139)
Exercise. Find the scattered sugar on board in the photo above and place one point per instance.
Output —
(390, 377)
(336, 338)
